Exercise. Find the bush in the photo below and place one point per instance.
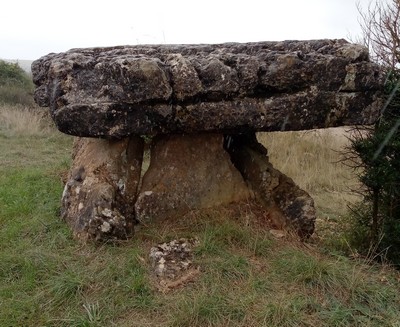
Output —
(13, 74)
(378, 151)
(16, 86)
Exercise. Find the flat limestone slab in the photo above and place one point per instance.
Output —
(230, 88)
(188, 172)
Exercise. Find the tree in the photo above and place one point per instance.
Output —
(377, 150)
(381, 31)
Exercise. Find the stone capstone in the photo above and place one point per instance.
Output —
(226, 88)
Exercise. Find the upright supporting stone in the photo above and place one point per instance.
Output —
(99, 196)
(288, 205)
(188, 172)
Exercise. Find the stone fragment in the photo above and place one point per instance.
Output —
(226, 88)
(98, 198)
(172, 263)
(288, 206)
(169, 260)
(188, 172)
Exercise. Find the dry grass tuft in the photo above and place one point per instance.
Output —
(311, 158)
(17, 120)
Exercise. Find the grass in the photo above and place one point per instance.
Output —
(18, 120)
(15, 94)
(305, 155)
(247, 277)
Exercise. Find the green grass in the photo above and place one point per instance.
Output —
(247, 277)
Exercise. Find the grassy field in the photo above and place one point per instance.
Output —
(247, 277)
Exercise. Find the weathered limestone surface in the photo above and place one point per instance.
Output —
(188, 172)
(99, 196)
(226, 88)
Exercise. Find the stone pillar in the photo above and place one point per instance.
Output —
(99, 196)
(188, 172)
(288, 205)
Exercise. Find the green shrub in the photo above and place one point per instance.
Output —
(378, 150)
(16, 86)
(13, 74)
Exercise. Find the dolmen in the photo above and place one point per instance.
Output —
(199, 107)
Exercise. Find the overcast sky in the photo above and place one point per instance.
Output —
(30, 29)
